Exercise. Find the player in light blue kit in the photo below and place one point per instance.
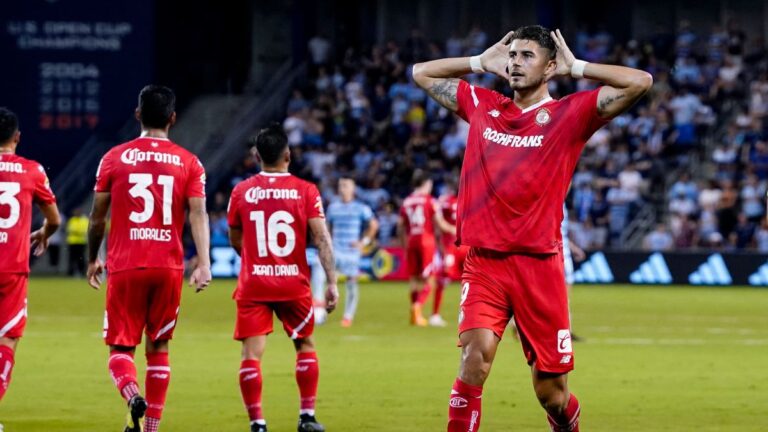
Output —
(353, 227)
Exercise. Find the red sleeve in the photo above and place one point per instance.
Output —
(43, 193)
(104, 174)
(585, 104)
(233, 209)
(196, 180)
(314, 203)
(470, 97)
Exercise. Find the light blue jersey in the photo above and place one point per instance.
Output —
(347, 221)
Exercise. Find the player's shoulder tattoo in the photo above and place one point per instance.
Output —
(606, 101)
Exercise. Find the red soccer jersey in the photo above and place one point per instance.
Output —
(273, 211)
(150, 180)
(22, 182)
(517, 167)
(448, 207)
(418, 213)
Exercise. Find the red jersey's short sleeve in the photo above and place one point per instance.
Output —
(196, 180)
(584, 105)
(314, 203)
(43, 193)
(233, 209)
(103, 174)
(469, 98)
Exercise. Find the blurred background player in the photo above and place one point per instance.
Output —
(520, 156)
(150, 183)
(420, 216)
(77, 236)
(270, 215)
(317, 283)
(22, 183)
(449, 261)
(347, 218)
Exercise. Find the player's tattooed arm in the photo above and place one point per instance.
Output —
(603, 104)
(443, 91)
(322, 239)
(97, 224)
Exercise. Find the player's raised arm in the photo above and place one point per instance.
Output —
(198, 219)
(322, 238)
(623, 86)
(440, 77)
(97, 225)
(51, 223)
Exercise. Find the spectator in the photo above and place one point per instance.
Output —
(659, 239)
(77, 238)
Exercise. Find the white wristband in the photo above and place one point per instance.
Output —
(366, 241)
(476, 64)
(577, 68)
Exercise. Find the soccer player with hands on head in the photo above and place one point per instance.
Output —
(521, 153)
(150, 183)
(269, 216)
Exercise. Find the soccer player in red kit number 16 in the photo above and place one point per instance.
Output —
(519, 159)
(149, 182)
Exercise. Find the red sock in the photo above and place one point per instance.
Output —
(414, 296)
(6, 367)
(250, 388)
(123, 372)
(464, 407)
(156, 384)
(424, 294)
(438, 296)
(568, 420)
(307, 376)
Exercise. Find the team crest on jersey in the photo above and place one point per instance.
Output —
(543, 116)
(494, 113)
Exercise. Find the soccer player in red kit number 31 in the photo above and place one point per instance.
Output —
(520, 157)
(149, 183)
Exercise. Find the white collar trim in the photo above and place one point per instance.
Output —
(537, 104)
(144, 135)
(266, 174)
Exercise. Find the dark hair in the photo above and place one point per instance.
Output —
(271, 142)
(419, 178)
(156, 105)
(9, 124)
(538, 34)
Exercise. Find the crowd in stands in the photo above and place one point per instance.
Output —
(694, 151)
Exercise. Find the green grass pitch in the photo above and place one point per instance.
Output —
(655, 359)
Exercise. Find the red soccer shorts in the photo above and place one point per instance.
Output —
(139, 298)
(496, 286)
(13, 304)
(420, 257)
(255, 318)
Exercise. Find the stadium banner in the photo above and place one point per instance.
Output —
(75, 68)
(600, 267)
(673, 268)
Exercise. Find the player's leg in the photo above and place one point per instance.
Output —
(164, 300)
(13, 319)
(350, 267)
(415, 266)
(541, 313)
(124, 320)
(253, 324)
(296, 316)
(440, 265)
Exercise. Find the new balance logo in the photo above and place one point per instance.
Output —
(565, 359)
(653, 271)
(594, 270)
(711, 272)
(250, 376)
(760, 277)
(494, 113)
(159, 376)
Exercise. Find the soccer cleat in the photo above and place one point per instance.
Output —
(255, 427)
(308, 423)
(437, 321)
(135, 421)
(346, 322)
